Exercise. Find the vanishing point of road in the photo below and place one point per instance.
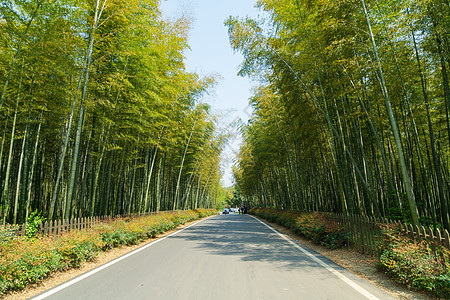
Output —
(222, 257)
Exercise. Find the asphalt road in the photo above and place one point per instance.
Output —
(222, 257)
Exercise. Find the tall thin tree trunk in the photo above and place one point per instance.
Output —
(97, 14)
(149, 177)
(19, 175)
(175, 201)
(404, 171)
(33, 163)
(436, 163)
(73, 171)
(5, 193)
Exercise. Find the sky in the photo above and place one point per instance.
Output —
(210, 54)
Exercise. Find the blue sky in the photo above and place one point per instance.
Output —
(211, 54)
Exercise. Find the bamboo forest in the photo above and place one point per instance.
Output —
(98, 115)
(351, 107)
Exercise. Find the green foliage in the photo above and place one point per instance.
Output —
(415, 264)
(33, 222)
(119, 238)
(330, 125)
(313, 226)
(236, 199)
(7, 232)
(126, 107)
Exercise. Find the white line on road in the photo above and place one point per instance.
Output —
(350, 282)
(85, 275)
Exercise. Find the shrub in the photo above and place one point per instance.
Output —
(314, 226)
(76, 247)
(415, 264)
(7, 233)
(32, 225)
(119, 237)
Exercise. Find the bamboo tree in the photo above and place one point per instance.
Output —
(96, 20)
(5, 193)
(149, 177)
(19, 175)
(175, 201)
(17, 53)
(436, 163)
(405, 175)
(33, 163)
(74, 167)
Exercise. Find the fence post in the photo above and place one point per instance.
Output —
(364, 235)
(58, 227)
(423, 234)
(410, 231)
(446, 241)
(360, 234)
(50, 227)
(372, 235)
(431, 234)
(438, 237)
(46, 228)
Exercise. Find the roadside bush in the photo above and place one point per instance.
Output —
(26, 260)
(32, 225)
(7, 233)
(23, 261)
(313, 226)
(415, 264)
(76, 247)
(201, 212)
(119, 237)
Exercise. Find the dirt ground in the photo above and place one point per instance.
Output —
(361, 265)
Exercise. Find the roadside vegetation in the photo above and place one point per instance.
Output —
(29, 259)
(409, 262)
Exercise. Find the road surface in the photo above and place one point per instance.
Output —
(222, 257)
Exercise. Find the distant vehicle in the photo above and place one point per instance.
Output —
(225, 211)
(232, 210)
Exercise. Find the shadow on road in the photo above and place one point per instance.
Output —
(244, 238)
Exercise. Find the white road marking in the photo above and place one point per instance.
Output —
(350, 282)
(92, 272)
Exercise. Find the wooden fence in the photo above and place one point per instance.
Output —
(59, 226)
(366, 233)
